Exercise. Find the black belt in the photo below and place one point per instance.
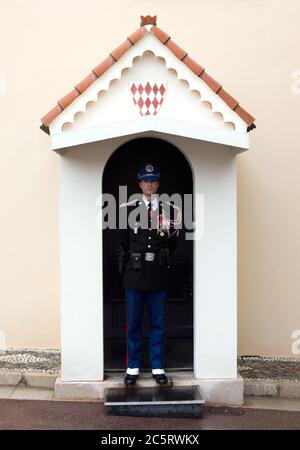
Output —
(161, 257)
(147, 256)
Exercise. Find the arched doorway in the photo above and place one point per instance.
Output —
(176, 177)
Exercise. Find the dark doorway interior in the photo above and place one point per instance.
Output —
(176, 177)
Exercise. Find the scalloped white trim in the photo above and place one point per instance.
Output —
(148, 43)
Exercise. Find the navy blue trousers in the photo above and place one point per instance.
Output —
(135, 301)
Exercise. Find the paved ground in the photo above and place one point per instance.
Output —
(65, 415)
(22, 407)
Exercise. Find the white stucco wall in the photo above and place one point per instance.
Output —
(215, 331)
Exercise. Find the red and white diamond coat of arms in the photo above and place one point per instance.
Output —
(148, 96)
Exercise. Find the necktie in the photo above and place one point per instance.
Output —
(149, 214)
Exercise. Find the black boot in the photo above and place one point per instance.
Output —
(160, 378)
(130, 379)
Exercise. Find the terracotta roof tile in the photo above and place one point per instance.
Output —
(160, 34)
(47, 119)
(227, 98)
(244, 115)
(210, 81)
(116, 54)
(178, 51)
(137, 35)
(104, 66)
(148, 20)
(86, 82)
(67, 99)
(119, 51)
(193, 65)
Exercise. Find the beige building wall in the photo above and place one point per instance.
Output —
(251, 47)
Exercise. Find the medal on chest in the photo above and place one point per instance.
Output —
(162, 228)
(160, 231)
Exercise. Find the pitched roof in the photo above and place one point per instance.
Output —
(116, 54)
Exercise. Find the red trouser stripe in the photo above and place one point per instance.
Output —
(126, 328)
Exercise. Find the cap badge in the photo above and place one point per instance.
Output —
(149, 168)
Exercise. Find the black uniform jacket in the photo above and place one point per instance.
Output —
(152, 275)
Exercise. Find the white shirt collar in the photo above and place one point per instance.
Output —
(154, 203)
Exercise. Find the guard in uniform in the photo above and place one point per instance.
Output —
(143, 256)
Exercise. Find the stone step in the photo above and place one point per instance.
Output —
(160, 401)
